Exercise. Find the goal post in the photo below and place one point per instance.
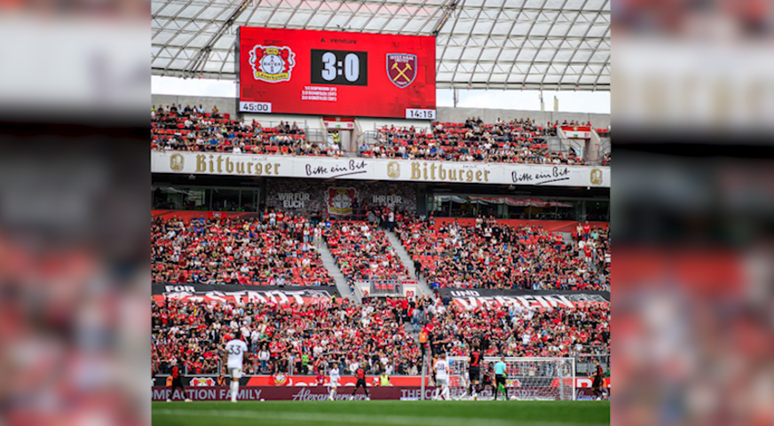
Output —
(551, 379)
(458, 376)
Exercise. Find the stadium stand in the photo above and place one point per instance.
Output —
(305, 339)
(189, 128)
(518, 331)
(276, 250)
(295, 339)
(363, 252)
(516, 141)
(493, 255)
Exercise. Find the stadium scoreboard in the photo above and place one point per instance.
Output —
(336, 73)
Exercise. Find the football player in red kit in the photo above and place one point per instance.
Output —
(361, 380)
(177, 382)
(598, 381)
(474, 372)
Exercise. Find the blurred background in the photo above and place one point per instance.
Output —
(74, 213)
(693, 209)
(693, 300)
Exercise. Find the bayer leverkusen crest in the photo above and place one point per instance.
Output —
(401, 68)
(272, 64)
(341, 200)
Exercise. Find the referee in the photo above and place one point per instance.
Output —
(500, 377)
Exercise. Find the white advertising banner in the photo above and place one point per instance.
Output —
(577, 134)
(378, 169)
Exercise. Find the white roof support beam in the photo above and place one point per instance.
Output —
(553, 45)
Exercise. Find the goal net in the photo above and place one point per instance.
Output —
(458, 376)
(549, 379)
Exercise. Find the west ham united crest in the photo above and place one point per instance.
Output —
(401, 69)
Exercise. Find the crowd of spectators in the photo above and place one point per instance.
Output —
(514, 330)
(190, 128)
(306, 339)
(606, 159)
(289, 338)
(515, 141)
(277, 248)
(363, 252)
(280, 248)
(274, 249)
(593, 244)
(491, 255)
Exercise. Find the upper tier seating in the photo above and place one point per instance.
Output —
(516, 141)
(192, 129)
(521, 140)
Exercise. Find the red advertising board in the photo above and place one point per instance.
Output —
(336, 73)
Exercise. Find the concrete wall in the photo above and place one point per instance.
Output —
(447, 114)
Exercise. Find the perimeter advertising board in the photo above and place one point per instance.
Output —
(320, 393)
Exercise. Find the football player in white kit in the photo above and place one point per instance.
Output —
(236, 349)
(334, 377)
(441, 368)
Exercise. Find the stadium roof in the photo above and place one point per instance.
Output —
(494, 44)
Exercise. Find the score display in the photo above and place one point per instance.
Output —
(336, 73)
(339, 67)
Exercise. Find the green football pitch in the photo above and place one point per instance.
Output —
(387, 413)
